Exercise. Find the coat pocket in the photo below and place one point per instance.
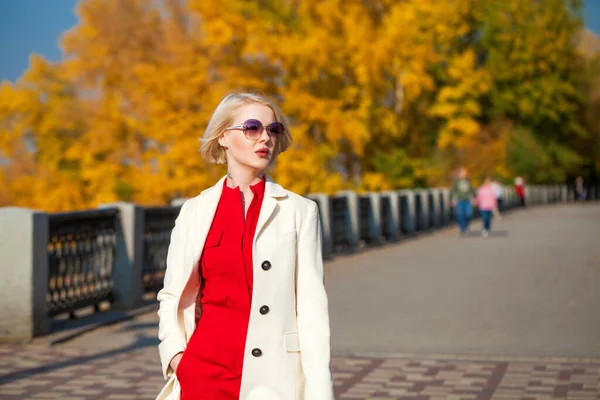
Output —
(292, 342)
(292, 347)
(211, 259)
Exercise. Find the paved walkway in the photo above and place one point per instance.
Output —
(514, 316)
(532, 289)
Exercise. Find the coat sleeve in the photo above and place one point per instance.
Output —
(312, 310)
(171, 338)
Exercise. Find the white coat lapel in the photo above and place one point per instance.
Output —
(273, 191)
(206, 208)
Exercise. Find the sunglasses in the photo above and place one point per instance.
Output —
(253, 129)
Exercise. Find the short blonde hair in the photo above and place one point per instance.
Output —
(223, 117)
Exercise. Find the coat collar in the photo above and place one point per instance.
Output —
(206, 207)
(272, 189)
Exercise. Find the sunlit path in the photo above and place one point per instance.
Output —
(533, 288)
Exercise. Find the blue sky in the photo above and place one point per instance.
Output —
(28, 26)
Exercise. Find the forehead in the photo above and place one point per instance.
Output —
(254, 111)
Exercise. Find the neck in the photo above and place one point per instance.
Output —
(243, 177)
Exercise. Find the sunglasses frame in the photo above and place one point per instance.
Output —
(245, 129)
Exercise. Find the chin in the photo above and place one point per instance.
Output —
(258, 165)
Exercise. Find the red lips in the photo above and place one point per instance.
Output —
(262, 152)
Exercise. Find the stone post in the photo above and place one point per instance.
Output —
(322, 201)
(127, 274)
(23, 274)
(447, 210)
(375, 227)
(437, 207)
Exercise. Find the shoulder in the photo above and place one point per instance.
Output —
(300, 204)
(189, 205)
(300, 201)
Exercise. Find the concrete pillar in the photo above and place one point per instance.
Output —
(564, 193)
(127, 276)
(570, 194)
(375, 225)
(24, 272)
(447, 209)
(437, 207)
(558, 193)
(409, 216)
(353, 214)
(394, 223)
(322, 201)
(508, 197)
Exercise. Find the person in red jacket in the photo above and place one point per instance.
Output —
(520, 189)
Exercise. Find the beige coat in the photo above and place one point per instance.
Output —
(295, 338)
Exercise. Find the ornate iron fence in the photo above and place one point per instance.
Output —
(81, 255)
(340, 231)
(158, 223)
(405, 216)
(365, 220)
(387, 218)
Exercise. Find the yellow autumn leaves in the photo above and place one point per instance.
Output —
(380, 95)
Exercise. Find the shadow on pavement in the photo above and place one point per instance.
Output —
(142, 341)
(140, 326)
(492, 234)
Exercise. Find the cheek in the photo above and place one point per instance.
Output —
(238, 144)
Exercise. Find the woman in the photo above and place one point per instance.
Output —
(486, 200)
(243, 312)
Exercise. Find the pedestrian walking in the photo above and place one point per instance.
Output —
(462, 195)
(243, 312)
(520, 189)
(580, 192)
(488, 205)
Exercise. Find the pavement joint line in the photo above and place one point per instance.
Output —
(468, 357)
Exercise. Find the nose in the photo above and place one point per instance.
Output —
(265, 136)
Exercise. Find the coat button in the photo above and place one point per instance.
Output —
(266, 265)
(256, 352)
(264, 310)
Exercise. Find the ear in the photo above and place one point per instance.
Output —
(222, 141)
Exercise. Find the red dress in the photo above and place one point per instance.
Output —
(211, 367)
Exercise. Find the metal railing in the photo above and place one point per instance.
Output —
(82, 246)
(119, 254)
(387, 219)
(158, 224)
(81, 256)
(340, 232)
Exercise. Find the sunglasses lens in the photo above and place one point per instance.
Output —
(253, 128)
(276, 128)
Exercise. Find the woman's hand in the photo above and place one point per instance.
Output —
(175, 361)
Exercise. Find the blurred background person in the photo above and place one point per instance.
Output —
(487, 203)
(462, 198)
(580, 192)
(520, 189)
(499, 192)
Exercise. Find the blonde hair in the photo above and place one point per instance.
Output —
(223, 117)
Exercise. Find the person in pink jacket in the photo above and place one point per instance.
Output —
(486, 200)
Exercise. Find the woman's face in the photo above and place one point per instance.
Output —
(246, 153)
